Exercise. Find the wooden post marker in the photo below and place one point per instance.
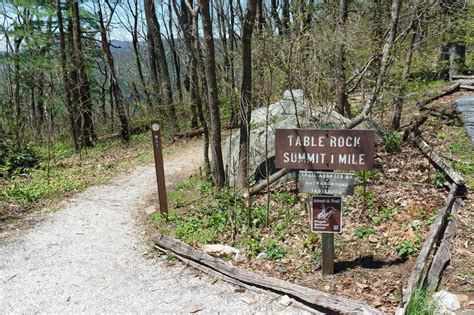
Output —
(160, 171)
(328, 150)
(327, 251)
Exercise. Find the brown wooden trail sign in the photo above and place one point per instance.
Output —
(160, 171)
(324, 149)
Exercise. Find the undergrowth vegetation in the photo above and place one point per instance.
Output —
(37, 175)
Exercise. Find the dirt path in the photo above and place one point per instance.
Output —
(90, 256)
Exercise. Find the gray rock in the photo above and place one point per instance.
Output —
(292, 110)
(447, 301)
(220, 249)
(239, 257)
(280, 269)
(150, 210)
(262, 256)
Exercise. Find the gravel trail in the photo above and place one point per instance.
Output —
(90, 256)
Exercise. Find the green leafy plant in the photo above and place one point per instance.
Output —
(20, 161)
(273, 250)
(169, 257)
(364, 231)
(406, 248)
(384, 214)
(393, 142)
(365, 176)
(285, 197)
(440, 179)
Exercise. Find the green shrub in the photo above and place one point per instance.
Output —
(406, 248)
(393, 142)
(273, 250)
(19, 161)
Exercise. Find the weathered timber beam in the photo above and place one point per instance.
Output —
(263, 183)
(439, 162)
(443, 254)
(422, 261)
(225, 278)
(462, 77)
(321, 301)
(439, 94)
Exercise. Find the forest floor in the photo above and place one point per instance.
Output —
(384, 225)
(91, 255)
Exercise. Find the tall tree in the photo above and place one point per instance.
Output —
(82, 88)
(70, 105)
(211, 75)
(130, 21)
(342, 103)
(156, 43)
(113, 78)
(384, 64)
(246, 92)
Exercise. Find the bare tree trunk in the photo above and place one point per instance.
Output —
(193, 80)
(285, 21)
(136, 49)
(103, 91)
(160, 61)
(406, 70)
(199, 68)
(19, 122)
(117, 92)
(246, 93)
(342, 102)
(177, 68)
(215, 134)
(82, 85)
(276, 16)
(232, 44)
(394, 13)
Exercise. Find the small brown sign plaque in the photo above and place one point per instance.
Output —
(324, 149)
(326, 214)
(327, 183)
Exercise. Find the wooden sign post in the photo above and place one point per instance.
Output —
(329, 149)
(160, 171)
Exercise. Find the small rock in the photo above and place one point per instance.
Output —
(285, 300)
(150, 210)
(447, 300)
(239, 257)
(248, 300)
(219, 249)
(262, 256)
(280, 269)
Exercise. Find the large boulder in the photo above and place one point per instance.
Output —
(293, 111)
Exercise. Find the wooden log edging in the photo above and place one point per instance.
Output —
(317, 300)
(225, 278)
(422, 262)
(439, 162)
(443, 254)
(427, 272)
(263, 183)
